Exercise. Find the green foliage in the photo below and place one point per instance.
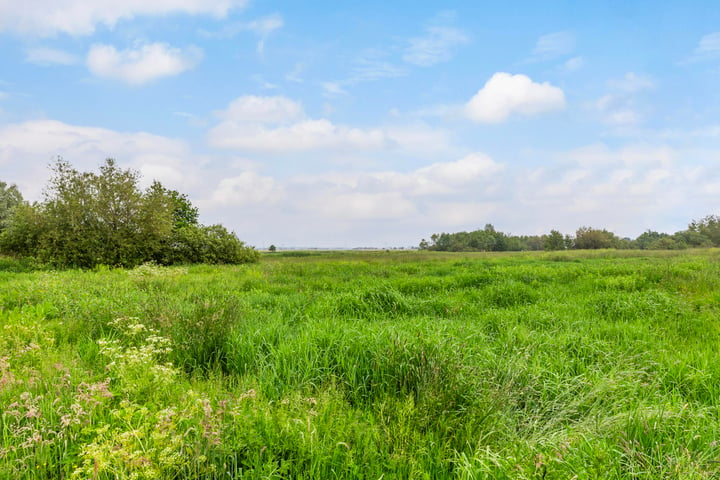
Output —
(205, 244)
(10, 198)
(554, 241)
(23, 231)
(89, 219)
(486, 240)
(700, 234)
(587, 238)
(708, 227)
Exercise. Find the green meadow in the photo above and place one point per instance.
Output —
(375, 365)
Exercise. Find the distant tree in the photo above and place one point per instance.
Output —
(272, 248)
(10, 198)
(625, 243)
(708, 227)
(667, 243)
(591, 238)
(553, 241)
(693, 239)
(647, 238)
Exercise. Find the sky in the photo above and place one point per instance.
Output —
(375, 124)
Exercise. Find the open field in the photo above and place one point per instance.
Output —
(366, 365)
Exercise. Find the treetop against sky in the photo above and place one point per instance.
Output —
(375, 123)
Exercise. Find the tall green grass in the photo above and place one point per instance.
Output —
(365, 365)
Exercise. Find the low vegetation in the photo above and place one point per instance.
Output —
(577, 364)
(703, 233)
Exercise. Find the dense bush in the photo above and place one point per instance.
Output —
(88, 219)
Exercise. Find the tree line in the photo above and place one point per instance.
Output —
(699, 234)
(87, 219)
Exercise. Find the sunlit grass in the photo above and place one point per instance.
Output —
(365, 365)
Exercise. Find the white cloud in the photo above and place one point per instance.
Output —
(437, 45)
(245, 189)
(254, 109)
(265, 25)
(50, 56)
(360, 206)
(553, 45)
(302, 135)
(709, 45)
(143, 63)
(437, 179)
(505, 94)
(79, 17)
(632, 83)
(626, 189)
(620, 106)
(333, 88)
(369, 68)
(262, 27)
(278, 124)
(27, 148)
(574, 64)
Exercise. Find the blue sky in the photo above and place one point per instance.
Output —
(343, 124)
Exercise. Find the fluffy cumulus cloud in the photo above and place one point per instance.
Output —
(506, 94)
(80, 17)
(142, 63)
(276, 124)
(248, 188)
(26, 149)
(627, 189)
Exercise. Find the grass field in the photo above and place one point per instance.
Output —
(366, 365)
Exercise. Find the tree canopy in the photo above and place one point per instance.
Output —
(87, 219)
(10, 198)
(700, 233)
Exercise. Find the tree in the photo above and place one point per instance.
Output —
(648, 238)
(272, 248)
(102, 218)
(10, 198)
(88, 219)
(709, 227)
(23, 231)
(591, 238)
(554, 241)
